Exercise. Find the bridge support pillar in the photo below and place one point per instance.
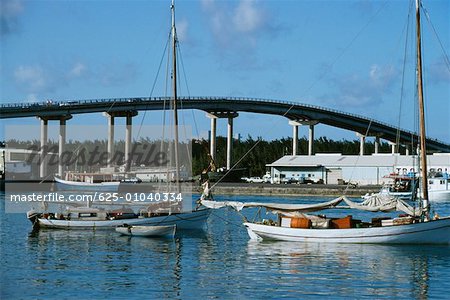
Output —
(62, 146)
(311, 138)
(230, 115)
(295, 126)
(43, 152)
(393, 147)
(377, 144)
(44, 147)
(110, 140)
(362, 141)
(128, 135)
(229, 141)
(212, 137)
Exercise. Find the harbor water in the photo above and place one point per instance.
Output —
(217, 262)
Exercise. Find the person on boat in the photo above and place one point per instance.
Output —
(206, 194)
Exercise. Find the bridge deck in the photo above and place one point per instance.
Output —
(290, 110)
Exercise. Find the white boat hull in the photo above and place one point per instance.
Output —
(433, 232)
(149, 231)
(191, 220)
(67, 185)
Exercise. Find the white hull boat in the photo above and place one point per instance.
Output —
(147, 231)
(432, 232)
(188, 220)
(294, 223)
(69, 185)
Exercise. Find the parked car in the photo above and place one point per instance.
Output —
(255, 180)
(288, 180)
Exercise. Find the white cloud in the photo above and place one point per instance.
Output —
(77, 70)
(32, 78)
(236, 25)
(362, 91)
(239, 27)
(381, 76)
(182, 30)
(32, 98)
(248, 17)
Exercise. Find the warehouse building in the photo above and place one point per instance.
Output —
(360, 169)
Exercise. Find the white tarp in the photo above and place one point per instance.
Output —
(272, 206)
(384, 204)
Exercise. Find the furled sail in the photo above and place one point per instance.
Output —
(386, 204)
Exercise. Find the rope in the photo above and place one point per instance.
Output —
(446, 59)
(397, 139)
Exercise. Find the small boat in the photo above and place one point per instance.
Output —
(403, 187)
(148, 231)
(87, 182)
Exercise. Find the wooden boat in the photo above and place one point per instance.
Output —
(433, 232)
(95, 219)
(416, 227)
(294, 223)
(147, 231)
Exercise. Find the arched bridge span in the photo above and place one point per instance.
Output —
(223, 105)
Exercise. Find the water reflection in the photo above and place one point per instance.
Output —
(338, 269)
(218, 262)
(104, 260)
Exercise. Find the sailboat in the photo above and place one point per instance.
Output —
(415, 226)
(76, 216)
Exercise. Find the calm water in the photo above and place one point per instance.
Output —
(218, 262)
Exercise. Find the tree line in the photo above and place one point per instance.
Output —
(254, 154)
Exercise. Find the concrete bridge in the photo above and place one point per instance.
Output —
(215, 108)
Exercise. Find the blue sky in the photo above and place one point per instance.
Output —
(345, 55)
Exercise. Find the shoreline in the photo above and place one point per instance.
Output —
(239, 188)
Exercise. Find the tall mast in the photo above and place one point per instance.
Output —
(174, 86)
(423, 149)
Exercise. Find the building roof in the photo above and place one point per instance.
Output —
(374, 160)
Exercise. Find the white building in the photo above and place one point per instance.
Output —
(361, 169)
